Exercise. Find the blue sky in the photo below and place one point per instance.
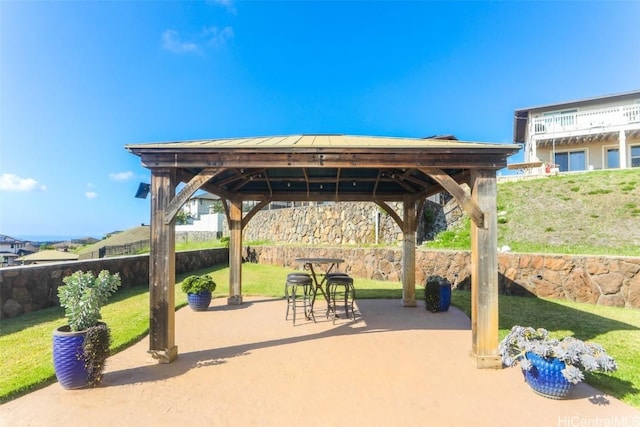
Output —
(79, 80)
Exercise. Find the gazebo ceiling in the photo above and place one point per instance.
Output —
(323, 167)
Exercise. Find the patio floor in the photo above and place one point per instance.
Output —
(245, 365)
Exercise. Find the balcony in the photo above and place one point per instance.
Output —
(603, 120)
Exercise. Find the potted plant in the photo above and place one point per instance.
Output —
(198, 290)
(550, 366)
(437, 294)
(81, 347)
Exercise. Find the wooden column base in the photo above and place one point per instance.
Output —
(234, 300)
(165, 356)
(485, 362)
(409, 302)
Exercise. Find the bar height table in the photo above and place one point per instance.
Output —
(329, 263)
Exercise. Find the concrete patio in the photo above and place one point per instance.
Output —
(245, 365)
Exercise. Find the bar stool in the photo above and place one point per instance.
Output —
(341, 291)
(328, 276)
(291, 287)
(335, 274)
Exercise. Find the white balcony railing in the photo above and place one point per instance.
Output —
(589, 119)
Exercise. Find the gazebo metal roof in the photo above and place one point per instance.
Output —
(323, 167)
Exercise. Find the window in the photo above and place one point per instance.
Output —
(571, 161)
(613, 158)
(635, 156)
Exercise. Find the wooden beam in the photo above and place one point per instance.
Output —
(235, 253)
(466, 158)
(484, 274)
(268, 181)
(388, 209)
(253, 211)
(225, 206)
(192, 186)
(469, 205)
(409, 252)
(162, 268)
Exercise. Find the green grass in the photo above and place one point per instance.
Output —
(26, 340)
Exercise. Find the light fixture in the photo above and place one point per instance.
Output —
(143, 190)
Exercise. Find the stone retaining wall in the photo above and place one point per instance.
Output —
(344, 224)
(604, 280)
(29, 288)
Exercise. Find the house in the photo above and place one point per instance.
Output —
(11, 248)
(199, 204)
(48, 255)
(594, 133)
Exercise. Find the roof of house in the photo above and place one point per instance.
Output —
(567, 104)
(8, 239)
(521, 115)
(205, 195)
(49, 255)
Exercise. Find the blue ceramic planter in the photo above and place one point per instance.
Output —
(199, 301)
(437, 294)
(68, 358)
(445, 298)
(545, 377)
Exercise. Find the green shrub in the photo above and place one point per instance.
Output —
(83, 296)
(195, 284)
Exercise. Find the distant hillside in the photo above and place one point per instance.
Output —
(119, 238)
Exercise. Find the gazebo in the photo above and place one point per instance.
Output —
(325, 168)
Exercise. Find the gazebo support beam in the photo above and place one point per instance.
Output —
(468, 204)
(391, 212)
(484, 273)
(409, 226)
(192, 186)
(235, 252)
(162, 268)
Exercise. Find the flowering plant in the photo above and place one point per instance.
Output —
(578, 356)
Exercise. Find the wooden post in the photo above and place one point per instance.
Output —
(409, 252)
(235, 253)
(484, 273)
(162, 268)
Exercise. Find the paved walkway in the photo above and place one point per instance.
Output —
(246, 366)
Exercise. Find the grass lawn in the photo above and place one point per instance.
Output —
(26, 340)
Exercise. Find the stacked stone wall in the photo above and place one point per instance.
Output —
(24, 289)
(604, 280)
(613, 281)
(345, 224)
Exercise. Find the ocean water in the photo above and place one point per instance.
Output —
(48, 237)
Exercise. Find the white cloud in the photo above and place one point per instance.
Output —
(218, 37)
(171, 42)
(91, 194)
(121, 176)
(228, 4)
(209, 37)
(11, 182)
